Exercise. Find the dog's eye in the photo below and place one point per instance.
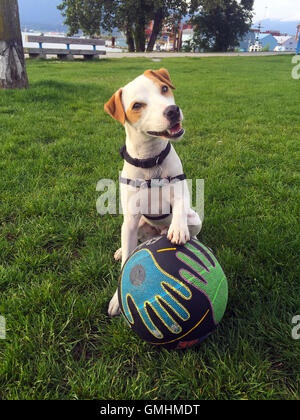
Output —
(164, 89)
(137, 105)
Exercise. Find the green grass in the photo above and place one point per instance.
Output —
(57, 272)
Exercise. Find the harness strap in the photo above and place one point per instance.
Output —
(153, 182)
(160, 217)
(145, 163)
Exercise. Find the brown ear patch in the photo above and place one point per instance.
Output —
(114, 107)
(161, 75)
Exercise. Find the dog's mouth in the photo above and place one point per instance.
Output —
(171, 133)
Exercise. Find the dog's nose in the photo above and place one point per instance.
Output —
(172, 113)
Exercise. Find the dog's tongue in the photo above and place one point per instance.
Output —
(175, 129)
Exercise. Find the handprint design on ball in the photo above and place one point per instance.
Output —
(165, 294)
(172, 296)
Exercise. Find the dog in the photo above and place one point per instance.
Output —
(154, 192)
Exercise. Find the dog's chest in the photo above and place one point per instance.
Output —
(156, 172)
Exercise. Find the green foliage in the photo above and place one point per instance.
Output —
(86, 15)
(129, 16)
(266, 48)
(187, 46)
(219, 24)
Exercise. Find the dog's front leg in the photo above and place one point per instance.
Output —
(128, 244)
(129, 234)
(178, 232)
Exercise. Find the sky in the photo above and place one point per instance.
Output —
(40, 11)
(284, 10)
(44, 11)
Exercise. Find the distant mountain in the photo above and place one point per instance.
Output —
(289, 28)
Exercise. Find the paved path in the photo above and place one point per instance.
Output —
(182, 54)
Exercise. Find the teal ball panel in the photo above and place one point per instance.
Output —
(172, 296)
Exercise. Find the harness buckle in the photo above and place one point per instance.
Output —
(144, 184)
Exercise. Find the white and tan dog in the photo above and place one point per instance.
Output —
(147, 109)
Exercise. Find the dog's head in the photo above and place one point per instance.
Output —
(147, 104)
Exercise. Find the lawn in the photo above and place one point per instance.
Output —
(57, 272)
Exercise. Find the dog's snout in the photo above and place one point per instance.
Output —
(172, 113)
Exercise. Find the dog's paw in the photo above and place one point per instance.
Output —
(118, 254)
(178, 234)
(114, 307)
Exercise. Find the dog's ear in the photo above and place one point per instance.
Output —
(162, 75)
(114, 107)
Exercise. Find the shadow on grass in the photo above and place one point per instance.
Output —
(52, 89)
(54, 92)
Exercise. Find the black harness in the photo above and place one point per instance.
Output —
(153, 182)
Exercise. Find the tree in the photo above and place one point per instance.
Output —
(85, 15)
(161, 11)
(91, 16)
(12, 63)
(158, 17)
(220, 24)
(129, 16)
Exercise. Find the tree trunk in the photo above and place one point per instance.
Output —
(129, 39)
(12, 63)
(221, 44)
(155, 30)
(139, 35)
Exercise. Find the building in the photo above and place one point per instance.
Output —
(273, 32)
(271, 40)
(187, 35)
(285, 43)
(255, 41)
(256, 46)
(248, 39)
(268, 41)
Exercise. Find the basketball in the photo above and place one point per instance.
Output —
(172, 296)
